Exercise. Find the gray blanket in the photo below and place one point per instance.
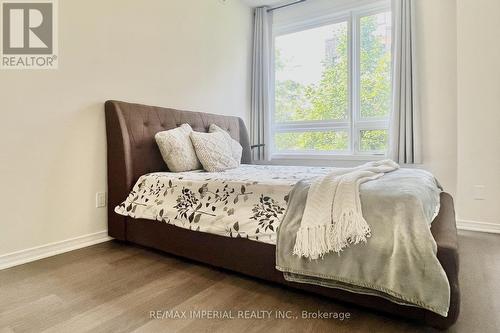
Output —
(398, 262)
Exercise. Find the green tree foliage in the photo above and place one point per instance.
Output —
(329, 98)
(373, 140)
(323, 141)
(375, 69)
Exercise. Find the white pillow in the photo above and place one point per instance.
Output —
(177, 150)
(213, 151)
(236, 148)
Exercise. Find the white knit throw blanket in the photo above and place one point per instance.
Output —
(332, 217)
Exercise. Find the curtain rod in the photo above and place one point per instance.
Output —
(286, 5)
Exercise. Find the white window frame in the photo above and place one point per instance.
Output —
(354, 123)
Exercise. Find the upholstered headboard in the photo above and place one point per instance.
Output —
(132, 150)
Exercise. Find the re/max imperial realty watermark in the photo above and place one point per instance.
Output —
(29, 34)
(247, 314)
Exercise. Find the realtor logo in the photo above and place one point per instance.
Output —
(28, 35)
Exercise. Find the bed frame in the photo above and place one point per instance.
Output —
(132, 152)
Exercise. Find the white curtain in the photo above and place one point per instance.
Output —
(261, 78)
(405, 130)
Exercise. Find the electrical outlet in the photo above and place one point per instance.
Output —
(479, 192)
(100, 199)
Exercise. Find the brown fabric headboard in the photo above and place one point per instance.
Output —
(132, 150)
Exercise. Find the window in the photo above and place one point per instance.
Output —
(332, 85)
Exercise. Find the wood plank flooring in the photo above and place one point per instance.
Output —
(112, 287)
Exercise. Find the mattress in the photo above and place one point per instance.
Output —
(247, 202)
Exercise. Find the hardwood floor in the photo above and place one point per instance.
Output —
(113, 287)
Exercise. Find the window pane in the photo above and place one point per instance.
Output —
(311, 68)
(373, 140)
(318, 140)
(375, 65)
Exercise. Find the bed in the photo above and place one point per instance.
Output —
(132, 153)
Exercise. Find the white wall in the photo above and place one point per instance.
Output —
(479, 109)
(437, 82)
(188, 54)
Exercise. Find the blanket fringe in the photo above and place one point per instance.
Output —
(314, 242)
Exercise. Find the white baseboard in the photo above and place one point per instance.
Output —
(52, 249)
(478, 226)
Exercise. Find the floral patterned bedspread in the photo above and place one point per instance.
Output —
(248, 202)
